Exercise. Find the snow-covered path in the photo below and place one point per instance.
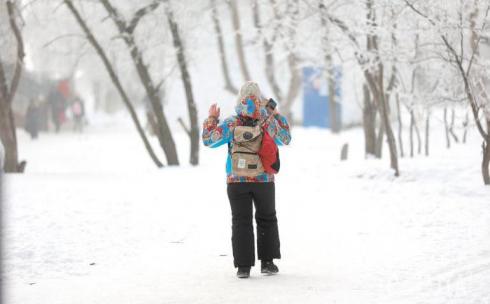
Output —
(93, 222)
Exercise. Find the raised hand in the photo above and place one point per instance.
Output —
(214, 111)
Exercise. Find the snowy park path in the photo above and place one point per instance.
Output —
(92, 222)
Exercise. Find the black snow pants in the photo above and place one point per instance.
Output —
(241, 196)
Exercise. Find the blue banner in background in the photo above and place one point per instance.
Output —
(316, 111)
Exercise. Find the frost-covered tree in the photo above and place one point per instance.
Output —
(373, 61)
(130, 29)
(453, 24)
(126, 29)
(115, 79)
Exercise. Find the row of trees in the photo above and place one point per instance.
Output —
(412, 59)
(420, 57)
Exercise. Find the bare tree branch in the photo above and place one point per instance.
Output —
(410, 5)
(182, 124)
(140, 14)
(61, 37)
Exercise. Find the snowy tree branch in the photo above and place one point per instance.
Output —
(477, 43)
(459, 65)
(140, 14)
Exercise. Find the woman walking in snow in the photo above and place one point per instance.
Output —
(250, 176)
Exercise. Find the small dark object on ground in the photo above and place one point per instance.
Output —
(344, 152)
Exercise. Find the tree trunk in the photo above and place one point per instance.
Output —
(329, 68)
(400, 126)
(235, 17)
(380, 140)
(19, 62)
(369, 123)
(164, 134)
(377, 88)
(8, 134)
(465, 127)
(451, 127)
(486, 157)
(115, 80)
(389, 134)
(419, 139)
(332, 98)
(427, 133)
(412, 126)
(229, 86)
(486, 163)
(376, 84)
(446, 130)
(414, 129)
(186, 80)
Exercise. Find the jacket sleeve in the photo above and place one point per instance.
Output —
(279, 129)
(215, 134)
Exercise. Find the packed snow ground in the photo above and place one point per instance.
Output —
(92, 221)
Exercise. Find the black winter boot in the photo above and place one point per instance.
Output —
(243, 272)
(268, 267)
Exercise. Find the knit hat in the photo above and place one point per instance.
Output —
(248, 101)
(250, 88)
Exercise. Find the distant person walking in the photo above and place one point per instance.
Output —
(78, 111)
(33, 119)
(57, 103)
(251, 136)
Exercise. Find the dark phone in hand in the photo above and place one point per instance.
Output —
(271, 104)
